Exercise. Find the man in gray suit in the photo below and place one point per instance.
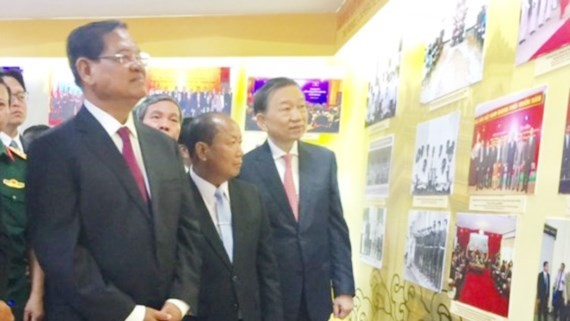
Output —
(110, 205)
(298, 182)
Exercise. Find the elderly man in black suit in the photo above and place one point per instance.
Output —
(239, 271)
(298, 182)
(110, 206)
(543, 292)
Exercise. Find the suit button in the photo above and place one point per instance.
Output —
(234, 278)
(235, 306)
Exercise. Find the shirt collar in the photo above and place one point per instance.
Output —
(208, 189)
(6, 139)
(109, 123)
(278, 153)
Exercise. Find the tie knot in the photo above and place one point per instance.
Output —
(219, 194)
(124, 133)
(287, 157)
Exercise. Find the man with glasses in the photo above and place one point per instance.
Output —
(113, 222)
(10, 134)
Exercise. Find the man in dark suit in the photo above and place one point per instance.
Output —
(543, 291)
(239, 270)
(529, 159)
(298, 182)
(10, 134)
(110, 206)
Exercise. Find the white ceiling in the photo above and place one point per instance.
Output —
(499, 224)
(41, 9)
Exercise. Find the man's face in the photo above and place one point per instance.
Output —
(4, 107)
(115, 79)
(285, 119)
(224, 155)
(19, 107)
(164, 116)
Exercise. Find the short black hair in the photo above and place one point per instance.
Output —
(33, 132)
(185, 130)
(14, 73)
(87, 41)
(262, 95)
(202, 129)
(545, 264)
(2, 83)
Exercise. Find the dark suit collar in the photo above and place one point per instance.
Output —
(207, 226)
(96, 139)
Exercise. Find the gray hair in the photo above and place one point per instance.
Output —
(142, 106)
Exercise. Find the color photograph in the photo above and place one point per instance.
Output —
(383, 85)
(65, 98)
(434, 162)
(564, 187)
(323, 99)
(553, 280)
(482, 261)
(506, 144)
(544, 27)
(454, 52)
(372, 236)
(379, 161)
(426, 248)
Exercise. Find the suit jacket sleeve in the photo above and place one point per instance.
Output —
(270, 290)
(341, 258)
(4, 243)
(53, 207)
(186, 285)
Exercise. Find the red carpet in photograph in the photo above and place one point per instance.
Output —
(559, 39)
(479, 291)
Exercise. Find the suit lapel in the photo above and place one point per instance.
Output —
(307, 169)
(151, 161)
(239, 223)
(207, 226)
(270, 176)
(99, 142)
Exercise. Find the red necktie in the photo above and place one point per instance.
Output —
(290, 187)
(129, 156)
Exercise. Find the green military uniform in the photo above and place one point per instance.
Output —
(12, 186)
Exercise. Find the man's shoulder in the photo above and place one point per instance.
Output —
(321, 151)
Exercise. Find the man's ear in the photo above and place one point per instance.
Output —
(260, 119)
(201, 151)
(85, 70)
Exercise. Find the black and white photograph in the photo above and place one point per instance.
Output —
(383, 85)
(378, 172)
(372, 236)
(426, 248)
(434, 161)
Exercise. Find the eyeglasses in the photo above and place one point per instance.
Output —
(129, 58)
(21, 96)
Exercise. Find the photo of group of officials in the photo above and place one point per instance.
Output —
(197, 90)
(65, 97)
(454, 52)
(544, 27)
(553, 282)
(383, 85)
(564, 187)
(434, 161)
(426, 248)
(506, 143)
(372, 236)
(378, 171)
(323, 102)
(482, 261)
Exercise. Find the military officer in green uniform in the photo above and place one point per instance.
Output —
(23, 269)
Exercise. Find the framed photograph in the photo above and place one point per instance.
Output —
(564, 187)
(379, 164)
(372, 236)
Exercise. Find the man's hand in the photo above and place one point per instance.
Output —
(342, 305)
(34, 310)
(155, 315)
(173, 311)
(5, 312)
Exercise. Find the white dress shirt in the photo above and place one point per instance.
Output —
(207, 190)
(7, 140)
(278, 154)
(112, 126)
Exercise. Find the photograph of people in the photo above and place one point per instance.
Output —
(564, 187)
(482, 261)
(544, 27)
(383, 85)
(506, 142)
(434, 161)
(378, 172)
(454, 51)
(372, 236)
(553, 281)
(426, 248)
